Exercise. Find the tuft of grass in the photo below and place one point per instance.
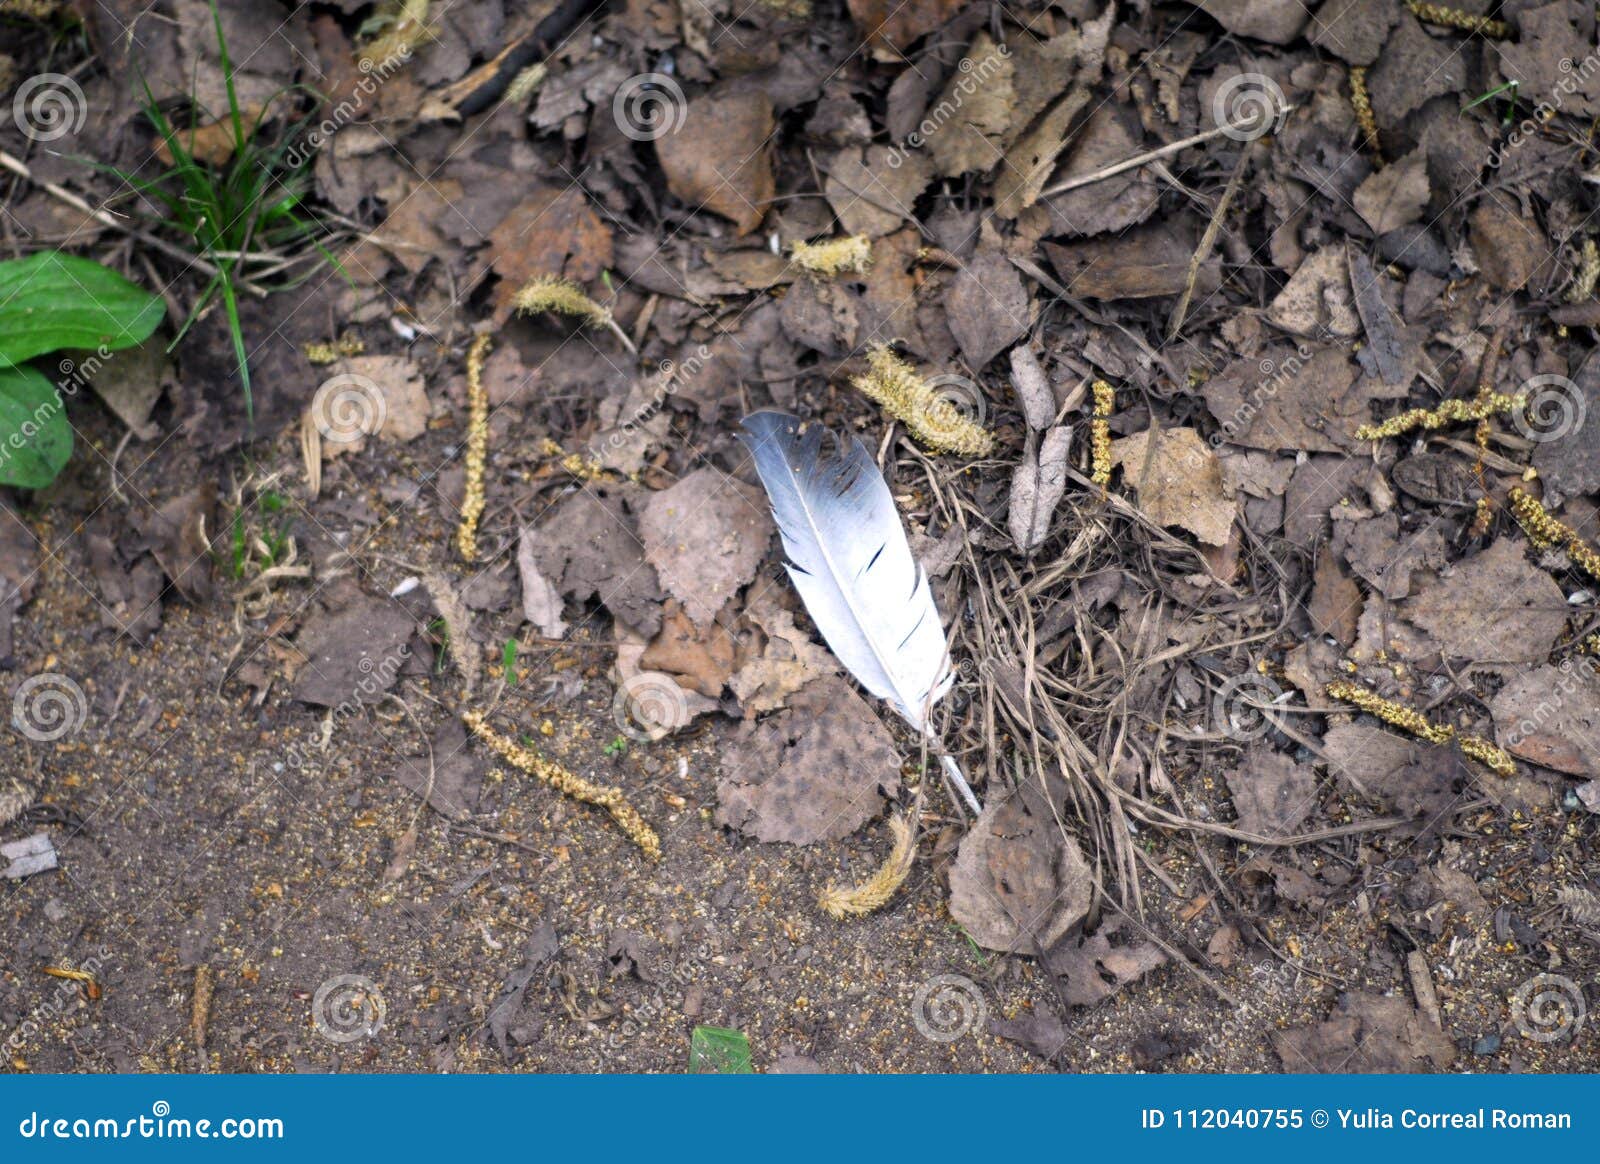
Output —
(247, 213)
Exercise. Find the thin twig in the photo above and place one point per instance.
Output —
(1145, 158)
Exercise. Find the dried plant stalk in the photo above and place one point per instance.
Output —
(895, 386)
(477, 449)
(873, 894)
(568, 784)
(1490, 755)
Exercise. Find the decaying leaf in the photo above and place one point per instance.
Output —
(1395, 195)
(817, 771)
(1019, 883)
(1367, 1033)
(705, 536)
(1037, 485)
(720, 156)
(541, 601)
(1493, 608)
(1178, 480)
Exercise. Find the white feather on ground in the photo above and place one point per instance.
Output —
(850, 561)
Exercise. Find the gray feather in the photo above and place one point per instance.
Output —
(850, 561)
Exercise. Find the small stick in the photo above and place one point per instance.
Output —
(1165, 151)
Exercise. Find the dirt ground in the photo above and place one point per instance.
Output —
(240, 652)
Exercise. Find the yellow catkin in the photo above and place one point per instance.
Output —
(1544, 529)
(347, 345)
(895, 386)
(873, 894)
(850, 255)
(526, 83)
(547, 293)
(1455, 18)
(1105, 402)
(1362, 103)
(1582, 288)
(568, 784)
(407, 29)
(477, 449)
(1455, 411)
(1491, 756)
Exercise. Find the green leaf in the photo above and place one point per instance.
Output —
(719, 1051)
(51, 300)
(35, 438)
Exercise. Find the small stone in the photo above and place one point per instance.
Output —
(1487, 1045)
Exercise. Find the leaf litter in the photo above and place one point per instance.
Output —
(1147, 619)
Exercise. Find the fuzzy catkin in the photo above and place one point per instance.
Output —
(871, 895)
(477, 450)
(567, 783)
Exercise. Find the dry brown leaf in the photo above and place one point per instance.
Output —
(1494, 607)
(1395, 195)
(1017, 879)
(1179, 484)
(720, 156)
(551, 232)
(817, 771)
(541, 601)
(705, 536)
